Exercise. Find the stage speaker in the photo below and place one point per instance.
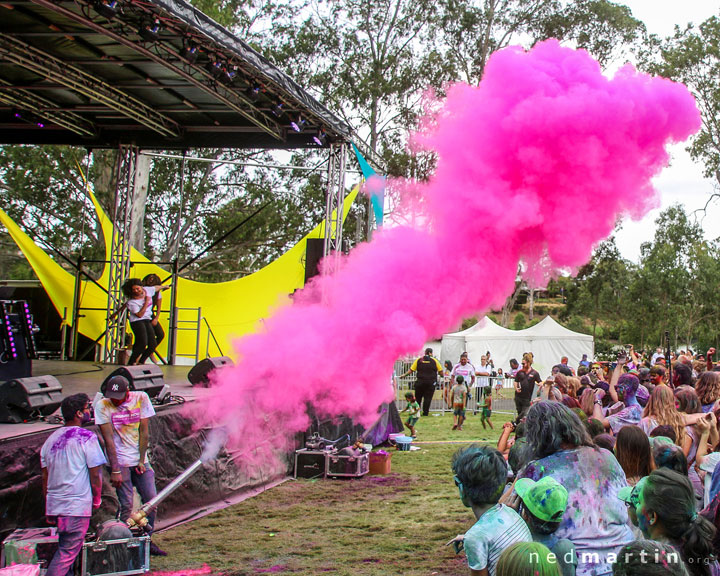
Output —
(199, 375)
(25, 399)
(145, 378)
(314, 248)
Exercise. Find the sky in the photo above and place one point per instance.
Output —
(682, 181)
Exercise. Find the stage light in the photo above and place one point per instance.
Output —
(253, 93)
(277, 109)
(228, 75)
(108, 9)
(190, 53)
(151, 31)
(215, 67)
(299, 124)
(320, 138)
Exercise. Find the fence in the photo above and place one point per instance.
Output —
(503, 396)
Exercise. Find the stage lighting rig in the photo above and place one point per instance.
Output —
(277, 109)
(299, 124)
(150, 31)
(107, 8)
(190, 53)
(320, 138)
(253, 93)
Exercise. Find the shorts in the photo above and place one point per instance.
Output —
(412, 421)
(459, 410)
(486, 412)
(498, 386)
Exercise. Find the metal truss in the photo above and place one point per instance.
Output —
(47, 66)
(119, 269)
(45, 109)
(199, 77)
(334, 202)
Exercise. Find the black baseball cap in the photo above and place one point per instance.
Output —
(117, 387)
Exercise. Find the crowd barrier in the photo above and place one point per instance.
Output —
(503, 396)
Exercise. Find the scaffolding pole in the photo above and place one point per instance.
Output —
(119, 268)
(334, 203)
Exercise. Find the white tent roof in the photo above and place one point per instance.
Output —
(547, 340)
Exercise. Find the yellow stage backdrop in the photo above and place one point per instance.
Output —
(232, 308)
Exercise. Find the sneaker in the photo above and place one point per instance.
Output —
(454, 426)
(459, 427)
(155, 550)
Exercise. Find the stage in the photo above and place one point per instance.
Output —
(175, 443)
(87, 377)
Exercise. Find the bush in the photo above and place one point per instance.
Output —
(540, 310)
(519, 322)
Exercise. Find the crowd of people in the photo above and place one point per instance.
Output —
(607, 469)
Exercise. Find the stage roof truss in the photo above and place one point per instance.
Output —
(156, 74)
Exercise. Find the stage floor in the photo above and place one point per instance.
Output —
(87, 377)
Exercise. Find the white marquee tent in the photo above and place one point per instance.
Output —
(547, 340)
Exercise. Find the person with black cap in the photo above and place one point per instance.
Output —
(123, 420)
(428, 369)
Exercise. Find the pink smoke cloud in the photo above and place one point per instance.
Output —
(536, 163)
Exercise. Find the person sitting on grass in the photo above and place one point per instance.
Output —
(528, 559)
(480, 476)
(486, 407)
(413, 410)
(459, 396)
(543, 506)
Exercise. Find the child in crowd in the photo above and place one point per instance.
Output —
(459, 396)
(543, 506)
(499, 383)
(486, 407)
(413, 410)
(527, 559)
(480, 476)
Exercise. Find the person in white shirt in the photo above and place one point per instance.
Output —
(139, 306)
(123, 417)
(72, 461)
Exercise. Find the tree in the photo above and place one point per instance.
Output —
(692, 56)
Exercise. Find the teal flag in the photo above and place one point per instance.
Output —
(375, 186)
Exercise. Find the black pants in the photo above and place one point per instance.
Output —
(144, 342)
(159, 334)
(424, 394)
(521, 405)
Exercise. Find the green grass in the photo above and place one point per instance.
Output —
(376, 525)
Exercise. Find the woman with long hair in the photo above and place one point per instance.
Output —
(660, 410)
(708, 390)
(666, 512)
(598, 524)
(633, 452)
(587, 401)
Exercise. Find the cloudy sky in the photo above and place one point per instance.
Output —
(682, 181)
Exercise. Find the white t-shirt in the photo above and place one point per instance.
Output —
(125, 421)
(68, 454)
(135, 305)
(467, 372)
(482, 379)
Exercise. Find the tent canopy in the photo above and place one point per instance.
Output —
(547, 340)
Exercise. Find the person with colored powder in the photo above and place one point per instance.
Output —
(123, 419)
(596, 522)
(413, 410)
(527, 559)
(486, 407)
(622, 388)
(480, 477)
(665, 510)
(459, 397)
(543, 506)
(649, 558)
(72, 461)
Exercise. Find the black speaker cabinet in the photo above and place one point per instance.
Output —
(310, 463)
(145, 378)
(199, 375)
(314, 248)
(27, 398)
